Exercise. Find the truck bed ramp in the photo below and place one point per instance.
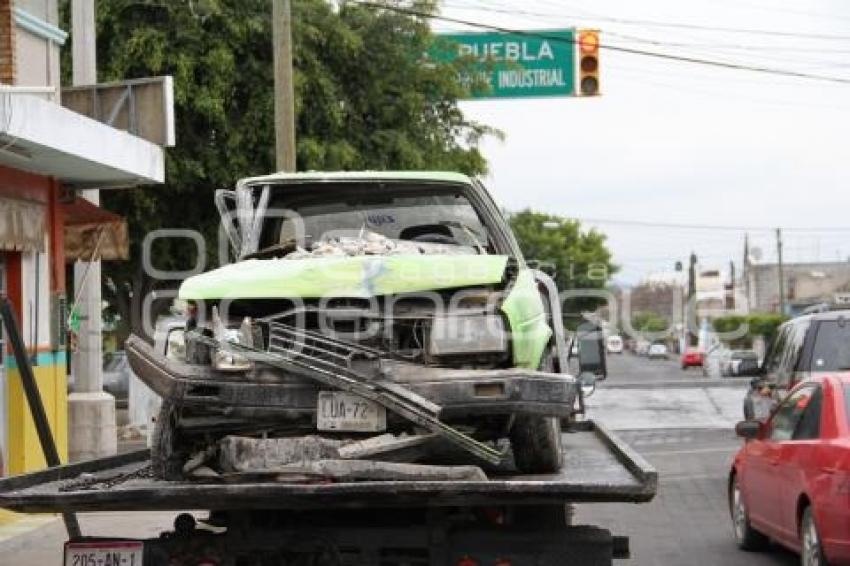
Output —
(598, 467)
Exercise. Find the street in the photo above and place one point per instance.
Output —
(690, 442)
(688, 521)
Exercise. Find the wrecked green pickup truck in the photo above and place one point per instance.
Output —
(362, 304)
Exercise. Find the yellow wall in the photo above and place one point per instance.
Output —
(24, 450)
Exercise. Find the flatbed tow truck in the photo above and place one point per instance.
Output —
(508, 519)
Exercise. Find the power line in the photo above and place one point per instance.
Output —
(677, 25)
(728, 228)
(619, 49)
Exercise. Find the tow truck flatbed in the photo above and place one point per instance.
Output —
(598, 467)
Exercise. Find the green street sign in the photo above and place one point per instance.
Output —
(513, 65)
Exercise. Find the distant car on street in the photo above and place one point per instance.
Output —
(657, 352)
(692, 357)
(614, 344)
(116, 377)
(789, 482)
(740, 363)
(642, 347)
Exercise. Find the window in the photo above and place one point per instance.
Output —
(397, 212)
(809, 426)
(832, 346)
(777, 348)
(789, 414)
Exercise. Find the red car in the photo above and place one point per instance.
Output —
(692, 358)
(790, 482)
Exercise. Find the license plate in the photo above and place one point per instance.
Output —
(344, 411)
(119, 553)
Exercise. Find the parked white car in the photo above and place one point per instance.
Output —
(614, 344)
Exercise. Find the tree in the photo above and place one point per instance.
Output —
(581, 258)
(365, 99)
(758, 324)
(649, 322)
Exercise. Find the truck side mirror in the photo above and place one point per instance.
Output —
(748, 429)
(591, 350)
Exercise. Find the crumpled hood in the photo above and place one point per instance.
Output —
(357, 276)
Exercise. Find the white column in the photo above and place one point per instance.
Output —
(91, 411)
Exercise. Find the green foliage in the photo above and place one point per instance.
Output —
(649, 322)
(364, 99)
(581, 258)
(760, 324)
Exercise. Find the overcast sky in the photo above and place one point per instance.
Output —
(674, 142)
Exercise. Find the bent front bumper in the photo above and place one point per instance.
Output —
(269, 391)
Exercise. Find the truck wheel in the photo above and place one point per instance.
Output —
(166, 460)
(536, 444)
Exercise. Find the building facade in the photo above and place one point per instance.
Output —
(47, 155)
(804, 285)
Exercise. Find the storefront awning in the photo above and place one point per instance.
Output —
(21, 225)
(92, 233)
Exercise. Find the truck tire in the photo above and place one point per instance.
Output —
(535, 439)
(166, 460)
(536, 444)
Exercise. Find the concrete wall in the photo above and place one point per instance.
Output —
(36, 47)
(804, 282)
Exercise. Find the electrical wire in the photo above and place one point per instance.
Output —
(739, 228)
(663, 24)
(615, 48)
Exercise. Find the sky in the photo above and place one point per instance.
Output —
(678, 143)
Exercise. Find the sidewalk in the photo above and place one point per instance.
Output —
(19, 531)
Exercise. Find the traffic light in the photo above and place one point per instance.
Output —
(588, 62)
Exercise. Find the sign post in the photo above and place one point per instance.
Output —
(513, 65)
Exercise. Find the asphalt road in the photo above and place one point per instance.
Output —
(687, 434)
(680, 421)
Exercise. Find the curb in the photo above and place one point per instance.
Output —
(731, 382)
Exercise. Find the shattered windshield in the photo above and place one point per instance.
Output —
(370, 219)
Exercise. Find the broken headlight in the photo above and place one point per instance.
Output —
(225, 357)
(467, 334)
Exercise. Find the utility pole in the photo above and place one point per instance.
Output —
(692, 292)
(730, 303)
(284, 91)
(780, 271)
(91, 411)
(746, 273)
